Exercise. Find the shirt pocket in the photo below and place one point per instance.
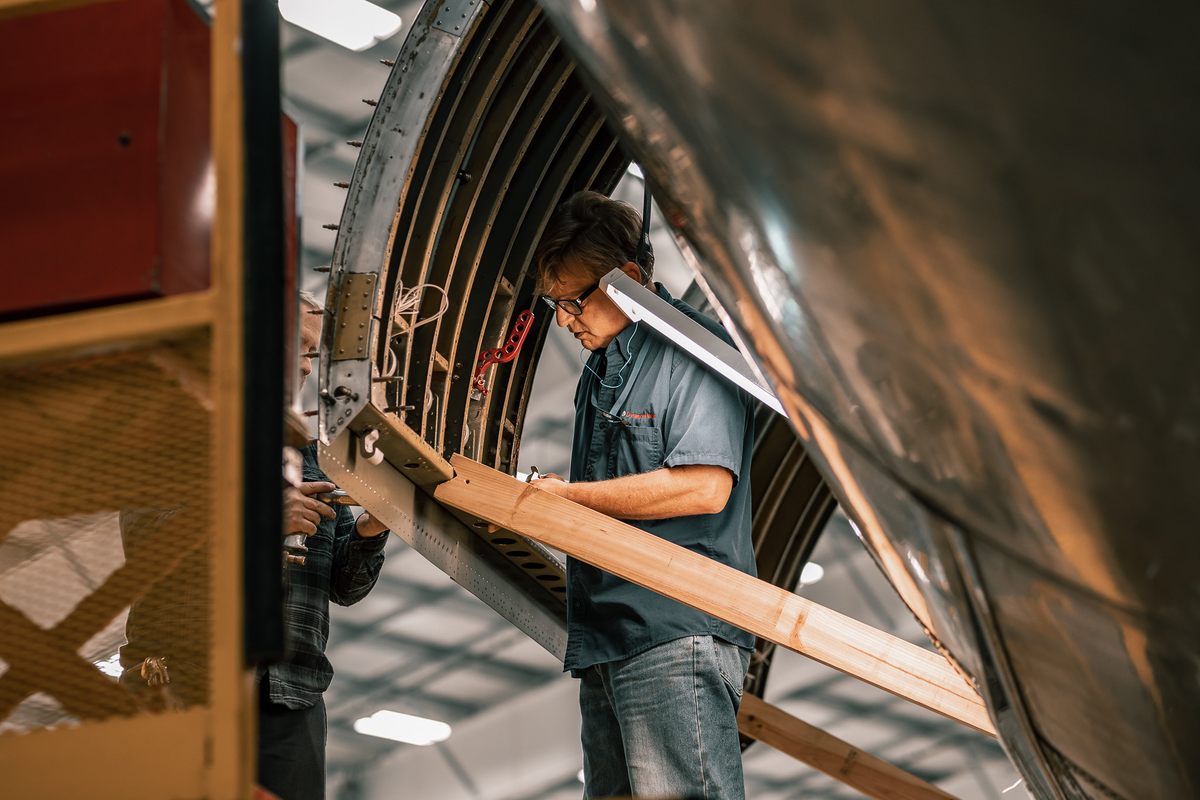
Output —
(637, 449)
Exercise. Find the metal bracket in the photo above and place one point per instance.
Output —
(455, 16)
(407, 453)
(352, 313)
(447, 543)
(402, 446)
(370, 452)
(505, 354)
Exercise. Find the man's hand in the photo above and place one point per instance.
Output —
(554, 484)
(368, 527)
(301, 511)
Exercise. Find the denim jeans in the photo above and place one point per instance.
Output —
(663, 723)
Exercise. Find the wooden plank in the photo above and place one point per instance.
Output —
(103, 328)
(840, 760)
(888, 662)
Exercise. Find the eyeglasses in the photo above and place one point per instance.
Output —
(573, 307)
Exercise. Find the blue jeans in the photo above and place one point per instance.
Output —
(664, 723)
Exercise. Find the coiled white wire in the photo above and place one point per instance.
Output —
(408, 303)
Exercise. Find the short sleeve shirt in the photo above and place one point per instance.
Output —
(643, 404)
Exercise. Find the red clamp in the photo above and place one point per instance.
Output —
(503, 355)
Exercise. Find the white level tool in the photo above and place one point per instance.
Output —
(642, 304)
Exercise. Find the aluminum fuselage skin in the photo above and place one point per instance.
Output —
(963, 240)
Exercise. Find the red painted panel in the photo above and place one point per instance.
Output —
(104, 153)
(291, 253)
(188, 183)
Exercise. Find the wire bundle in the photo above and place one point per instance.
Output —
(408, 304)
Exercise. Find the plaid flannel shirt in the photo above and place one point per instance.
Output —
(340, 566)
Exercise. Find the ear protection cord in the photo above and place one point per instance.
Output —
(620, 381)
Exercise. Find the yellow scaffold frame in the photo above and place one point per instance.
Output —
(199, 752)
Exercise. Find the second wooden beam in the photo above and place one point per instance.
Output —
(840, 760)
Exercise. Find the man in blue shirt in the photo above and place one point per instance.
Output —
(664, 444)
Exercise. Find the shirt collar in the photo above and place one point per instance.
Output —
(621, 341)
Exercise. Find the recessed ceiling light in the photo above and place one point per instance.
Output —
(403, 728)
(354, 24)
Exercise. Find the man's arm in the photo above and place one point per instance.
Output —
(368, 527)
(665, 493)
(357, 556)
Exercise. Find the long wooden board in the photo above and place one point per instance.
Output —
(840, 760)
(894, 665)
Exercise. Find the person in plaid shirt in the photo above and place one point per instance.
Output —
(342, 564)
(165, 657)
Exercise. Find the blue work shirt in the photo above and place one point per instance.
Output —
(656, 407)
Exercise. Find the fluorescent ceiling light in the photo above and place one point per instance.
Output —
(642, 304)
(579, 775)
(635, 169)
(403, 728)
(811, 573)
(354, 24)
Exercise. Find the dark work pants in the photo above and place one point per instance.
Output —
(291, 748)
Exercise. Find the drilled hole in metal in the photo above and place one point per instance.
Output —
(559, 589)
(518, 554)
(480, 524)
(547, 577)
(414, 465)
(504, 540)
(533, 565)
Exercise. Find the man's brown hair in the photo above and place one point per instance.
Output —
(592, 231)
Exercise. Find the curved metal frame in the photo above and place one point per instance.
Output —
(478, 135)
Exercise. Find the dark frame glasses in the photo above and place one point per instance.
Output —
(573, 307)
